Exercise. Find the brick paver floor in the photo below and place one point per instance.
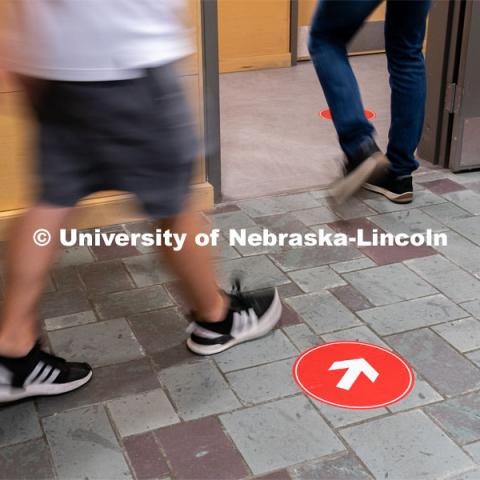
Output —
(153, 410)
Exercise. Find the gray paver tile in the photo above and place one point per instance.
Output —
(198, 390)
(472, 307)
(437, 361)
(474, 357)
(72, 320)
(316, 279)
(463, 334)
(351, 298)
(136, 377)
(357, 334)
(105, 277)
(302, 336)
(142, 412)
(323, 312)
(446, 212)
(353, 208)
(84, 445)
(468, 227)
(282, 223)
(102, 343)
(416, 313)
(274, 346)
(256, 272)
(26, 461)
(407, 221)
(19, 423)
(223, 251)
(340, 417)
(147, 270)
(422, 394)
(465, 177)
(236, 220)
(459, 417)
(74, 256)
(353, 265)
(464, 253)
(257, 248)
(444, 275)
(56, 304)
(121, 304)
(470, 475)
(474, 450)
(345, 467)
(260, 207)
(422, 198)
(315, 216)
(389, 284)
(280, 434)
(466, 199)
(67, 278)
(200, 450)
(266, 382)
(308, 257)
(406, 445)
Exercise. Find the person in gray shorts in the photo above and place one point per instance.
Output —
(111, 115)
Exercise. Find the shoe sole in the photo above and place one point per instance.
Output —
(406, 197)
(268, 321)
(344, 188)
(9, 394)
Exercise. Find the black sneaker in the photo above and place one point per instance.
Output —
(396, 189)
(250, 316)
(369, 164)
(39, 374)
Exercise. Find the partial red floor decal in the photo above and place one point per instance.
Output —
(327, 114)
(353, 375)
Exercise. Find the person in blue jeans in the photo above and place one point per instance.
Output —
(334, 24)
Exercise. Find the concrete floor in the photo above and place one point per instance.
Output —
(273, 139)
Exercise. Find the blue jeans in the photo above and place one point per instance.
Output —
(334, 24)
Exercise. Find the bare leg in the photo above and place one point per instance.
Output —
(193, 265)
(26, 272)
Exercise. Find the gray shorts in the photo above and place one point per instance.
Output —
(133, 135)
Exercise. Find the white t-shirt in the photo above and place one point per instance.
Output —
(95, 40)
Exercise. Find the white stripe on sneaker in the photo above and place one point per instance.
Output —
(33, 374)
(5, 376)
(46, 372)
(53, 376)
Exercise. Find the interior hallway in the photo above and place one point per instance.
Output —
(273, 139)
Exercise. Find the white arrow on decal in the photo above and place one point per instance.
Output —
(354, 368)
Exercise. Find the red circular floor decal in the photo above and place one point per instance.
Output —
(353, 375)
(327, 114)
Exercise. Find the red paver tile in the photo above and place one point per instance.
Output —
(394, 254)
(351, 227)
(104, 252)
(289, 317)
(145, 456)
(200, 449)
(445, 185)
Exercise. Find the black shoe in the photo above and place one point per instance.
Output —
(39, 374)
(368, 164)
(396, 189)
(250, 316)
